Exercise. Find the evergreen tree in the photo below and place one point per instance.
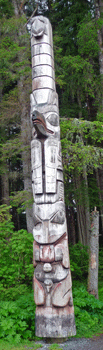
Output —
(15, 91)
(78, 84)
(77, 33)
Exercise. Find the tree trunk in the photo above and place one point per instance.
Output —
(93, 255)
(99, 177)
(15, 5)
(26, 159)
(86, 204)
(82, 203)
(99, 172)
(24, 91)
(71, 225)
(5, 186)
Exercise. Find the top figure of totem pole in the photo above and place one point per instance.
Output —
(52, 277)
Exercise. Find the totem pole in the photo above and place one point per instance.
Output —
(52, 277)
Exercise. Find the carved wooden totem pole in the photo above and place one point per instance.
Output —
(52, 277)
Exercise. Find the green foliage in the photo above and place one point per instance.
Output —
(79, 87)
(93, 192)
(17, 319)
(6, 8)
(15, 69)
(21, 200)
(14, 53)
(88, 313)
(76, 58)
(81, 144)
(78, 82)
(17, 316)
(78, 261)
(4, 214)
(14, 292)
(82, 154)
(15, 257)
(65, 17)
(87, 38)
(80, 79)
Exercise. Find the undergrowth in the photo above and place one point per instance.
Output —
(17, 307)
(17, 319)
(88, 313)
(79, 261)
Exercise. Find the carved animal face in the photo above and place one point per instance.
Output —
(39, 123)
(45, 117)
(49, 222)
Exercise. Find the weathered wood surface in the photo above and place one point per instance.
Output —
(52, 277)
(93, 255)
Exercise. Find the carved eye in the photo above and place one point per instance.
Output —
(59, 218)
(37, 222)
(53, 119)
(38, 226)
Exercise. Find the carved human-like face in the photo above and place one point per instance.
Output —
(49, 222)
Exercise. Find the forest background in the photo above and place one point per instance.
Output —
(78, 51)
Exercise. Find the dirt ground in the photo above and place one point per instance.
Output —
(96, 343)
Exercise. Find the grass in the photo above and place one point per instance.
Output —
(54, 347)
(25, 346)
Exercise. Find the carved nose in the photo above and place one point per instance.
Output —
(47, 267)
(46, 229)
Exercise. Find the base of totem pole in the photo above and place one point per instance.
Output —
(56, 323)
(56, 340)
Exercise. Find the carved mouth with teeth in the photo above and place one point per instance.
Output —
(40, 124)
